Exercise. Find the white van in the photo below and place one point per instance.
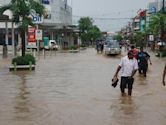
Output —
(52, 45)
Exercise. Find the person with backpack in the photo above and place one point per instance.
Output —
(143, 58)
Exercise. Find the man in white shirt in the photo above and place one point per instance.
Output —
(128, 67)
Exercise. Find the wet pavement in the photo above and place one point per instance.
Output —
(75, 89)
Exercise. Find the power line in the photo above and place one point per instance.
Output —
(106, 18)
(116, 12)
(99, 18)
(119, 12)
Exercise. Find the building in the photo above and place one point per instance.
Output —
(139, 22)
(56, 23)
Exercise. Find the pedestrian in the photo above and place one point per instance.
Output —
(102, 46)
(143, 58)
(164, 74)
(128, 67)
(97, 46)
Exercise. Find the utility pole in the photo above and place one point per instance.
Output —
(163, 7)
(162, 21)
(162, 26)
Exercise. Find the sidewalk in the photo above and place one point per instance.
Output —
(10, 50)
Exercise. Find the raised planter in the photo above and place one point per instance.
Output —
(82, 48)
(26, 62)
(16, 67)
(22, 67)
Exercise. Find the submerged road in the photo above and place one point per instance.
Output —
(75, 89)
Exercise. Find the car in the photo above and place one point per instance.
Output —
(109, 38)
(52, 45)
(112, 48)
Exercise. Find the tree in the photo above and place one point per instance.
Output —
(118, 37)
(89, 32)
(22, 9)
(139, 39)
(94, 33)
(156, 24)
(85, 23)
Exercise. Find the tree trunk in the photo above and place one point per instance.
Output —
(5, 54)
(23, 42)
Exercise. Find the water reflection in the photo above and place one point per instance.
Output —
(44, 54)
(22, 105)
(62, 90)
(124, 111)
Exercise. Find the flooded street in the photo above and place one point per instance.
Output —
(75, 89)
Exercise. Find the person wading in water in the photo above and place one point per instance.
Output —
(128, 67)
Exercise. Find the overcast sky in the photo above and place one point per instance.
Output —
(99, 9)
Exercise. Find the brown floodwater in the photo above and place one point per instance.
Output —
(75, 89)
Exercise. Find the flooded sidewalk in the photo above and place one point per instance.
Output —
(75, 89)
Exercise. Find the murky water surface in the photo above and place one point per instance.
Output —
(75, 89)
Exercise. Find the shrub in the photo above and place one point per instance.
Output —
(24, 60)
(82, 45)
(73, 48)
(163, 54)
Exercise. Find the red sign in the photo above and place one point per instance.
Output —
(31, 34)
(142, 13)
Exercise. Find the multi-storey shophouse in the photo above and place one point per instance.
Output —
(55, 24)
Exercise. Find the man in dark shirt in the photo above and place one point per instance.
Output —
(164, 74)
(143, 58)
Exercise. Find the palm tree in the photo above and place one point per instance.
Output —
(22, 9)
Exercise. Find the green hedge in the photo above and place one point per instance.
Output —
(73, 47)
(82, 45)
(24, 60)
(163, 54)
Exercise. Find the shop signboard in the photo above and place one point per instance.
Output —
(47, 12)
(153, 7)
(31, 37)
(36, 19)
(46, 39)
(38, 34)
(45, 1)
(151, 37)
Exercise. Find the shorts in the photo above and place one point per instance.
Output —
(126, 82)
